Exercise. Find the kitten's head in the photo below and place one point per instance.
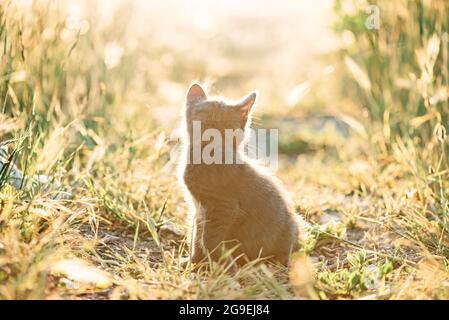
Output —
(217, 114)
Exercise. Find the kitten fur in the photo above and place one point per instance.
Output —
(239, 206)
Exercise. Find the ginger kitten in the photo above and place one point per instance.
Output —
(236, 205)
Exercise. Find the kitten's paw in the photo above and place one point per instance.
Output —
(184, 263)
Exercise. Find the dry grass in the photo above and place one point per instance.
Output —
(92, 103)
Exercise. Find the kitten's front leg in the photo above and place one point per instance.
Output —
(210, 233)
(215, 237)
(207, 238)
(197, 246)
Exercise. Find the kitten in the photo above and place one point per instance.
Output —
(237, 206)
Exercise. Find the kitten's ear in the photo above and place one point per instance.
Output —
(246, 104)
(195, 93)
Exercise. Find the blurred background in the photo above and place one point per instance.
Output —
(143, 54)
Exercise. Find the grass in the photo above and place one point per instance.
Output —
(92, 104)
